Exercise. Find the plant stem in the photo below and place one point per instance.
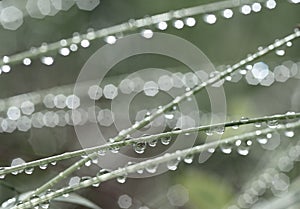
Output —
(135, 24)
(155, 161)
(68, 155)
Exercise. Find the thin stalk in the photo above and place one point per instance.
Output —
(155, 161)
(77, 153)
(138, 125)
(133, 25)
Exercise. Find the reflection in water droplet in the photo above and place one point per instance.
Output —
(139, 147)
(121, 179)
(166, 140)
(226, 148)
(188, 159)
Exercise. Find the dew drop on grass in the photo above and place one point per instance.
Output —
(289, 133)
(273, 124)
(244, 120)
(257, 124)
(29, 170)
(44, 166)
(121, 179)
(243, 150)
(165, 140)
(209, 132)
(152, 143)
(262, 140)
(151, 168)
(226, 148)
(172, 164)
(139, 147)
(188, 159)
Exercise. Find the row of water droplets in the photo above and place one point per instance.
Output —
(68, 46)
(173, 164)
(243, 147)
(15, 120)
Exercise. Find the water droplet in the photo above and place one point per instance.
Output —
(235, 127)
(190, 21)
(188, 159)
(280, 52)
(166, 140)
(115, 149)
(152, 143)
(262, 139)
(162, 25)
(151, 168)
(243, 150)
(26, 61)
(219, 130)
(66, 195)
(238, 143)
(147, 33)
(140, 171)
(273, 124)
(110, 39)
(173, 164)
(169, 116)
(209, 132)
(53, 163)
(226, 148)
(257, 124)
(102, 171)
(227, 13)
(101, 152)
(289, 133)
(47, 60)
(44, 166)
(29, 170)
(45, 205)
(210, 18)
(244, 120)
(88, 163)
(85, 178)
(121, 179)
(178, 24)
(139, 147)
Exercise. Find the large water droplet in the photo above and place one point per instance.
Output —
(273, 123)
(244, 120)
(289, 133)
(166, 140)
(188, 159)
(262, 139)
(151, 168)
(44, 166)
(121, 179)
(243, 150)
(219, 130)
(173, 164)
(115, 149)
(29, 170)
(209, 132)
(139, 147)
(226, 148)
(45, 205)
(257, 124)
(152, 143)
